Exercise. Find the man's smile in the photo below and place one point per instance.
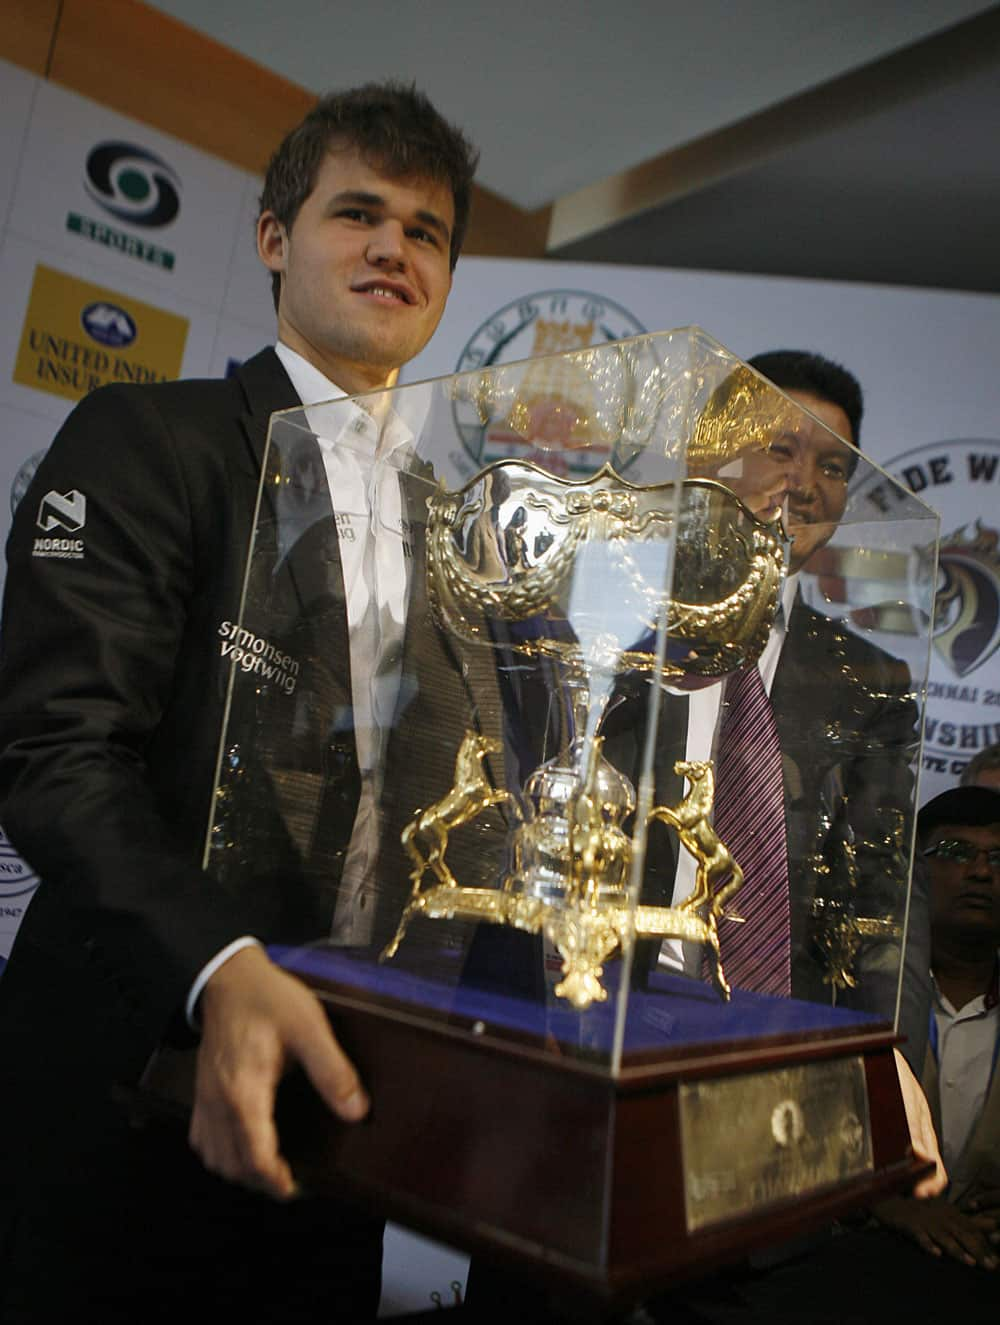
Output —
(380, 288)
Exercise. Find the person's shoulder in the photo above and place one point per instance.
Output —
(189, 407)
(230, 393)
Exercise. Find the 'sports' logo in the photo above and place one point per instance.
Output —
(133, 184)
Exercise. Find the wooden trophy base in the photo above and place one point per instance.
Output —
(608, 1186)
(617, 1185)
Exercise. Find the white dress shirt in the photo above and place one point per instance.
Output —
(964, 1042)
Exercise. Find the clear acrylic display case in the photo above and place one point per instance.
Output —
(499, 613)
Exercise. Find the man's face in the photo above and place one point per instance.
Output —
(987, 777)
(803, 472)
(365, 269)
(965, 895)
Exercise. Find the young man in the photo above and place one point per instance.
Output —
(111, 699)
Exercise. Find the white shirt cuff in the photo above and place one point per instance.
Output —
(208, 970)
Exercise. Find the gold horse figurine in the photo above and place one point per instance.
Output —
(715, 862)
(581, 850)
(425, 837)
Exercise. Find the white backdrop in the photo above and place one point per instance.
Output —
(99, 211)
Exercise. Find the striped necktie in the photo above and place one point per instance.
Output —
(750, 820)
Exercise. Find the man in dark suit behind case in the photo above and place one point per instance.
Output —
(112, 682)
(848, 799)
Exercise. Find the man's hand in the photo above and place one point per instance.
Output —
(942, 1229)
(256, 1022)
(922, 1135)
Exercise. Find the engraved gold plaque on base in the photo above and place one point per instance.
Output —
(801, 1130)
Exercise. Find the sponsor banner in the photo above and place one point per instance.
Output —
(111, 192)
(960, 479)
(17, 90)
(177, 341)
(248, 290)
(77, 336)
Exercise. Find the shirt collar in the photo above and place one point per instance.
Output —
(990, 999)
(310, 384)
(788, 593)
(358, 430)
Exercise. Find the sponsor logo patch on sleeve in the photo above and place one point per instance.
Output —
(66, 511)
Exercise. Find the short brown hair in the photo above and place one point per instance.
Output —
(395, 128)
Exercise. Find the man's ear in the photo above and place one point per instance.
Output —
(272, 242)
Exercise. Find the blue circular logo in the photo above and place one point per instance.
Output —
(133, 184)
(108, 325)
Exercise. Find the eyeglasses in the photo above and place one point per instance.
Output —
(954, 848)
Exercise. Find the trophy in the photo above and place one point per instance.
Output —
(479, 823)
(502, 549)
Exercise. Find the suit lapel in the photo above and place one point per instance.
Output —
(311, 571)
(266, 388)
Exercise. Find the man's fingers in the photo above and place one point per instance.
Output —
(927, 1242)
(328, 1068)
(256, 1021)
(233, 1132)
(985, 1199)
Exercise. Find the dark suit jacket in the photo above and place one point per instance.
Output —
(112, 684)
(115, 678)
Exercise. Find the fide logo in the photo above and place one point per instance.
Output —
(960, 480)
(133, 184)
